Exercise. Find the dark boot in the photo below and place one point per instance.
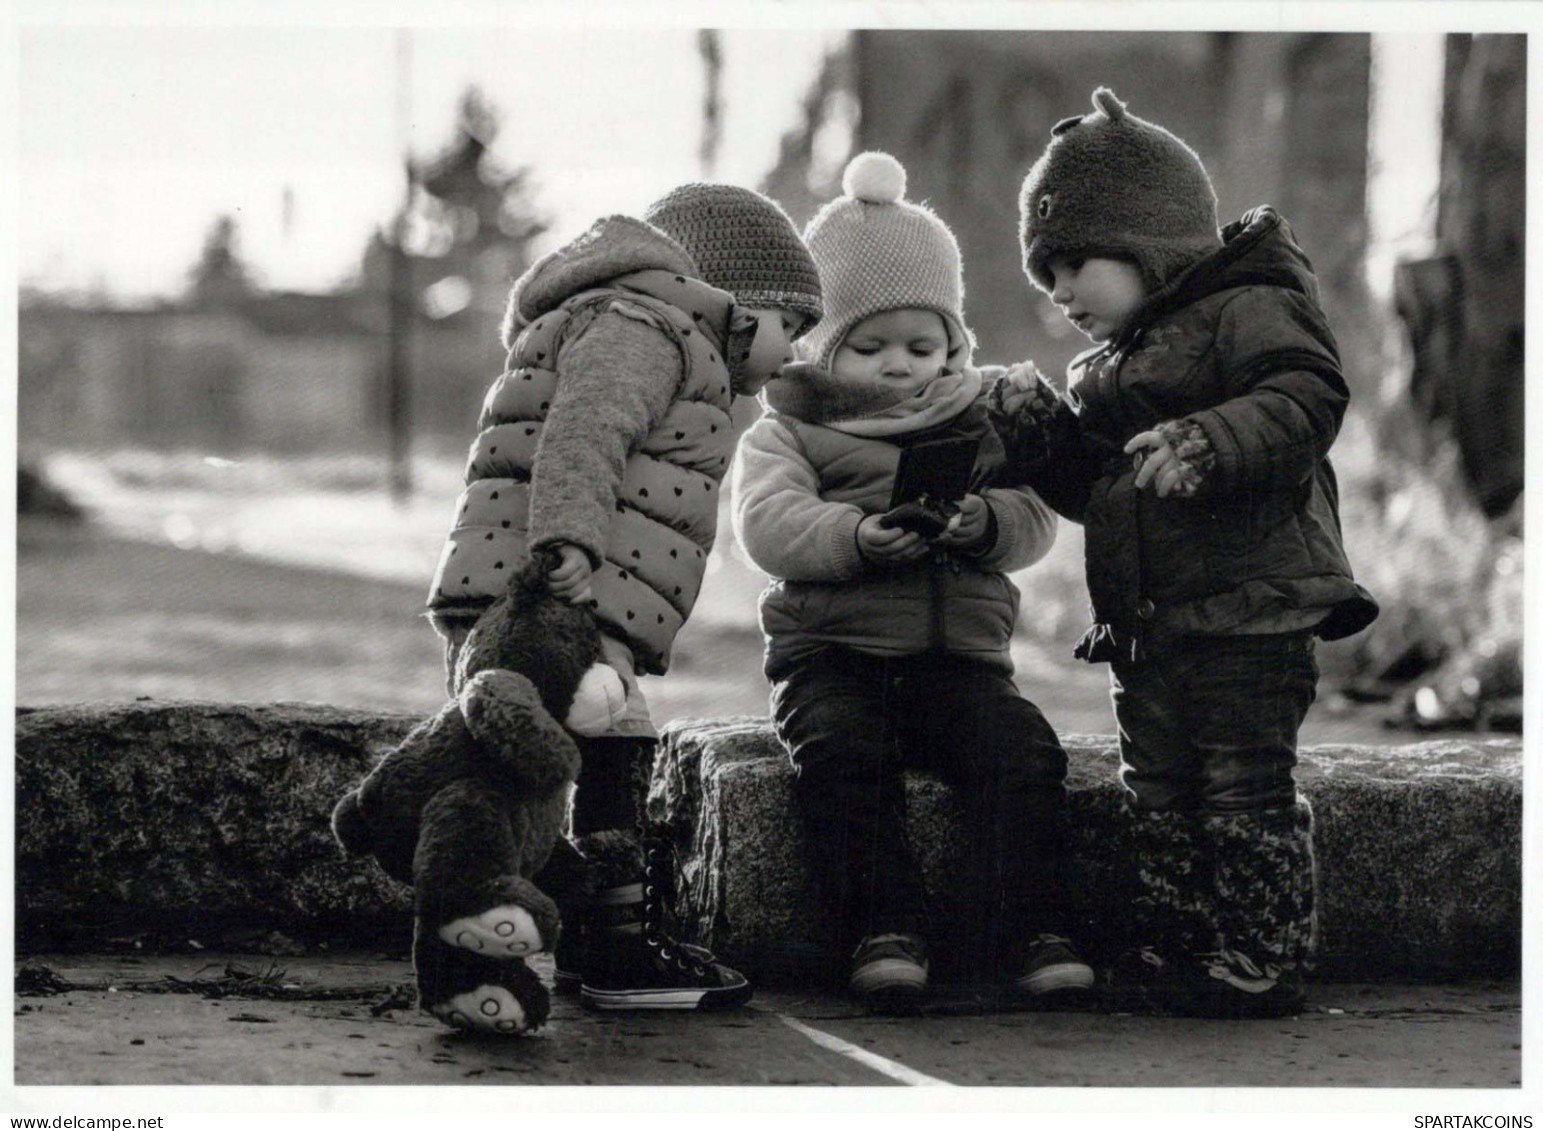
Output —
(567, 878)
(1266, 884)
(1170, 886)
(1173, 882)
(629, 959)
(1267, 913)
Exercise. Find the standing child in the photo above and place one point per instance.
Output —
(603, 444)
(1192, 446)
(886, 650)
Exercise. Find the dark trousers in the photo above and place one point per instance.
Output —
(851, 722)
(1208, 724)
(612, 783)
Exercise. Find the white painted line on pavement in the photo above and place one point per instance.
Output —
(871, 1060)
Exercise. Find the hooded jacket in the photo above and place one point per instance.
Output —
(800, 487)
(1237, 355)
(609, 429)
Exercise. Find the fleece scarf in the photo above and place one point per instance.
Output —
(870, 408)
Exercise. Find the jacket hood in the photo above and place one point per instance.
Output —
(613, 245)
(1258, 250)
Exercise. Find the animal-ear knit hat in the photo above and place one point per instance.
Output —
(1112, 185)
(877, 251)
(743, 243)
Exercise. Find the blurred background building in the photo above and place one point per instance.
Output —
(229, 366)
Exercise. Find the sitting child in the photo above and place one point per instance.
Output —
(888, 650)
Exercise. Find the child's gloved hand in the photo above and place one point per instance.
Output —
(888, 544)
(1024, 391)
(568, 579)
(969, 526)
(1171, 459)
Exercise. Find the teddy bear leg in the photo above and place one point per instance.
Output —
(469, 991)
(465, 879)
(521, 922)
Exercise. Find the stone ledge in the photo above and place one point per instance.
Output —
(1419, 851)
(176, 820)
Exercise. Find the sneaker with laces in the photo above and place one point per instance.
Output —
(890, 971)
(1229, 985)
(1052, 970)
(631, 962)
(566, 958)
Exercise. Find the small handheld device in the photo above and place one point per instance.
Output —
(930, 481)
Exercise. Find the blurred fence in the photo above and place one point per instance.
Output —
(310, 376)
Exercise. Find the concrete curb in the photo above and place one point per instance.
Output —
(164, 821)
(1419, 851)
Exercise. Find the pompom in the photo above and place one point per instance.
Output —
(875, 177)
(1104, 99)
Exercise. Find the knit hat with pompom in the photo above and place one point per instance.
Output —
(1112, 185)
(877, 251)
(743, 243)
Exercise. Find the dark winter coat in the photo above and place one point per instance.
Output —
(1237, 354)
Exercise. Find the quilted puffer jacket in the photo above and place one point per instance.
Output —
(609, 429)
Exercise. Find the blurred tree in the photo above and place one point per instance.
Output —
(464, 232)
(1482, 226)
(710, 47)
(220, 278)
(468, 224)
(1465, 314)
(812, 155)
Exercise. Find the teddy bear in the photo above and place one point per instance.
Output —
(469, 808)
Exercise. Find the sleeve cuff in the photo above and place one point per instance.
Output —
(846, 558)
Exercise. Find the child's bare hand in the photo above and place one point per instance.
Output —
(888, 544)
(1157, 465)
(969, 526)
(569, 578)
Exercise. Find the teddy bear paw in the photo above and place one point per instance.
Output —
(486, 1009)
(600, 700)
(497, 932)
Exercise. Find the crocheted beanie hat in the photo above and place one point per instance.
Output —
(1110, 184)
(877, 251)
(743, 243)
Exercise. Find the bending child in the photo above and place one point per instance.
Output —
(1192, 445)
(885, 649)
(604, 444)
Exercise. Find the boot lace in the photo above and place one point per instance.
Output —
(658, 896)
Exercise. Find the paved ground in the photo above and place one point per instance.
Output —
(346, 1020)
